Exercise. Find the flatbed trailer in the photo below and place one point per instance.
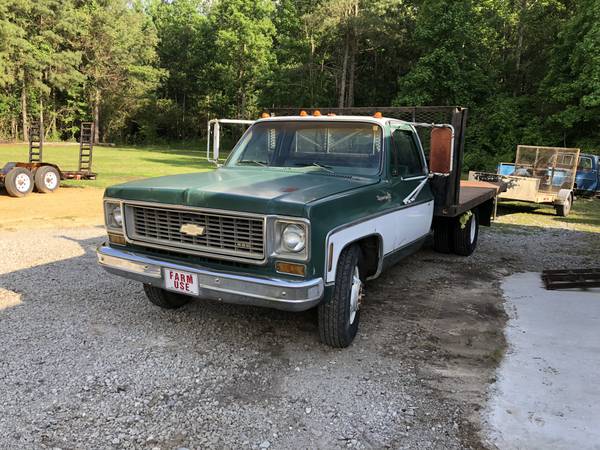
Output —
(20, 178)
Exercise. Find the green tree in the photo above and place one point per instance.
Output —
(572, 83)
(119, 63)
(243, 54)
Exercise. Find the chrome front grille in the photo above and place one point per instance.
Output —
(217, 234)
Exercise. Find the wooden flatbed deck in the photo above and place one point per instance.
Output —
(473, 194)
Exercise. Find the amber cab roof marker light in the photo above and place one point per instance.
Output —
(303, 113)
(331, 114)
(265, 115)
(317, 113)
(378, 115)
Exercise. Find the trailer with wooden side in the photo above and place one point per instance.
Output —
(21, 178)
(539, 175)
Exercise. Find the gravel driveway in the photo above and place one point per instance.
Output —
(87, 362)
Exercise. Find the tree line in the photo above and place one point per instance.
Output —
(152, 70)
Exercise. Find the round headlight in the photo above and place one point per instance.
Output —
(294, 238)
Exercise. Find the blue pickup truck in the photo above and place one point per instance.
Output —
(587, 180)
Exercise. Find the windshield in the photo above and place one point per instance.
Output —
(345, 148)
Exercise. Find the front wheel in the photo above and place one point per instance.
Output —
(340, 315)
(165, 299)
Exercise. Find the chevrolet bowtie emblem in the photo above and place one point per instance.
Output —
(192, 229)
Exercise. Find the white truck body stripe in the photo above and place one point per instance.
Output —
(397, 229)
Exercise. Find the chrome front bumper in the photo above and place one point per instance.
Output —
(225, 287)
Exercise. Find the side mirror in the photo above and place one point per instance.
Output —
(214, 132)
(441, 151)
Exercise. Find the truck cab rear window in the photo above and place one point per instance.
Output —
(351, 148)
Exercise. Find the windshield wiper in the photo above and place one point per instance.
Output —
(320, 166)
(252, 161)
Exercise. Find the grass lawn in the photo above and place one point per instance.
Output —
(584, 216)
(119, 164)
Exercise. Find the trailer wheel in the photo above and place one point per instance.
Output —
(165, 299)
(442, 235)
(47, 179)
(465, 236)
(564, 209)
(18, 182)
(339, 316)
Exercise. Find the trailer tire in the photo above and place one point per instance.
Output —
(564, 209)
(165, 299)
(465, 237)
(442, 235)
(47, 179)
(18, 182)
(339, 315)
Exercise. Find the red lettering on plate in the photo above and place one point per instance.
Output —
(189, 279)
(171, 274)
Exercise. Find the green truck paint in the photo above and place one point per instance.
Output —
(339, 198)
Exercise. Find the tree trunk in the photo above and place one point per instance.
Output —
(24, 111)
(96, 114)
(351, 73)
(519, 53)
(344, 73)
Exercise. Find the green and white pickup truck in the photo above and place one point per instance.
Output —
(305, 210)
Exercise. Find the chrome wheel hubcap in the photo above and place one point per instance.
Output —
(356, 294)
(23, 182)
(50, 180)
(473, 228)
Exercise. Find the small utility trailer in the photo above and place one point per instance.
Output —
(538, 175)
(20, 178)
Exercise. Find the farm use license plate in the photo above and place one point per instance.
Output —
(182, 282)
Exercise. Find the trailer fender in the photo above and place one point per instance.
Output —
(563, 196)
(7, 167)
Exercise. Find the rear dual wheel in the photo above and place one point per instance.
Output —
(456, 235)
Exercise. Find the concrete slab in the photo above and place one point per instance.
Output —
(547, 393)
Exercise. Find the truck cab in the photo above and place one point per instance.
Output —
(304, 211)
(587, 180)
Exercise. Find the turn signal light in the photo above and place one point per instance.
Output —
(316, 113)
(118, 239)
(292, 269)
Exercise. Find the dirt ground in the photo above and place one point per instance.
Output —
(67, 207)
(213, 375)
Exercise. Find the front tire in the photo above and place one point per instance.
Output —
(18, 182)
(47, 179)
(465, 238)
(340, 315)
(165, 299)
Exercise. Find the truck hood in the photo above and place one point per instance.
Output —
(256, 190)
